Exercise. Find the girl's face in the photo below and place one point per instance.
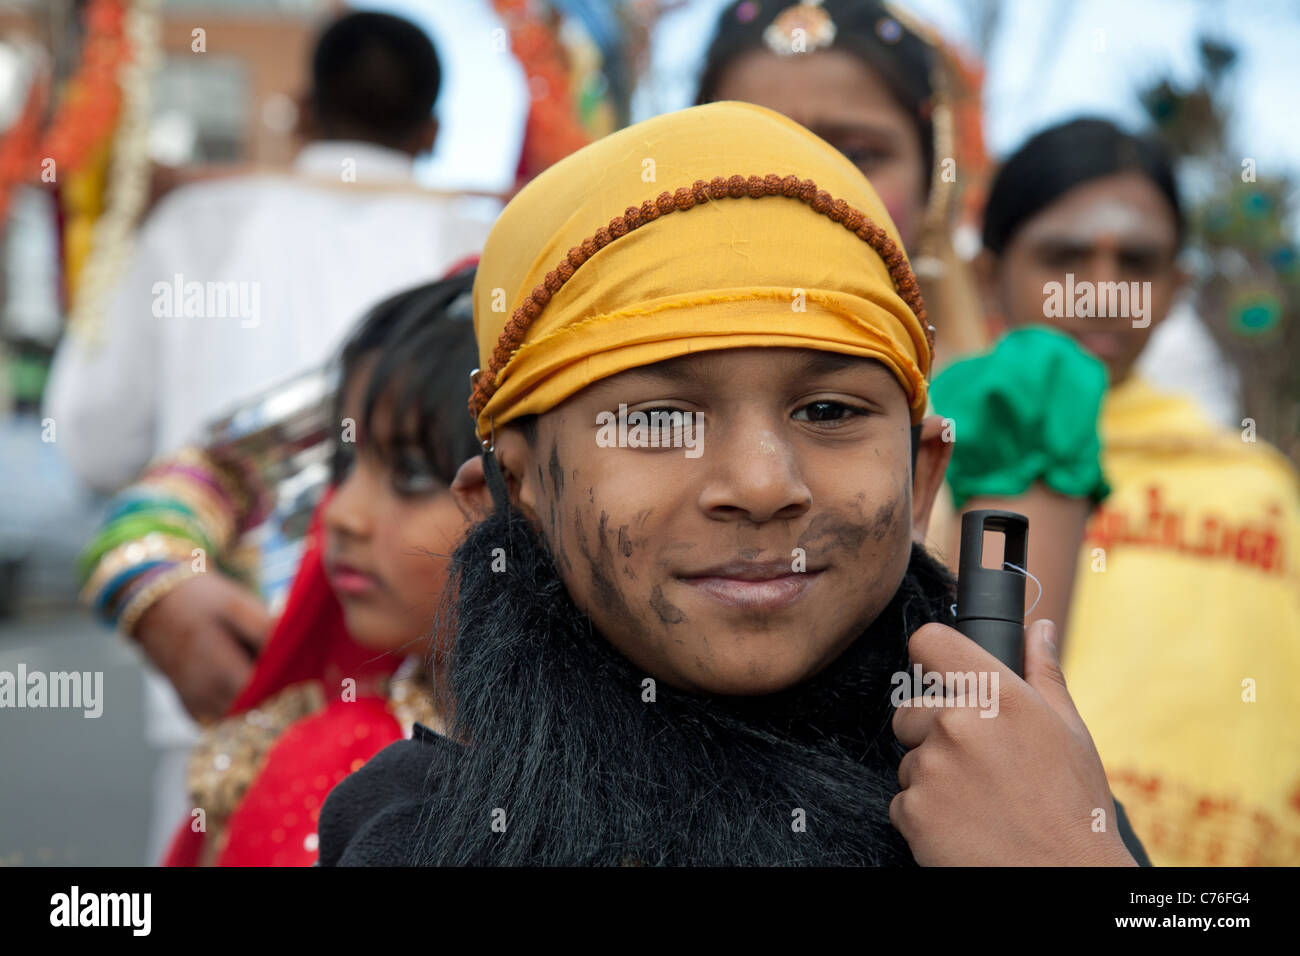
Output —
(1119, 229)
(389, 530)
(750, 563)
(835, 95)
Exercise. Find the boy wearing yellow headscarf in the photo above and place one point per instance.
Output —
(694, 593)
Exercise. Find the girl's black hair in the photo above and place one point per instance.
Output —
(418, 348)
(1061, 157)
(863, 28)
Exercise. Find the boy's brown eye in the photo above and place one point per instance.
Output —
(827, 412)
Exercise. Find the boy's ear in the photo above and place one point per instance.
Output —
(470, 490)
(932, 457)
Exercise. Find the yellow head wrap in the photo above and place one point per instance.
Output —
(716, 227)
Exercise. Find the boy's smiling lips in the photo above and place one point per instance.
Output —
(752, 585)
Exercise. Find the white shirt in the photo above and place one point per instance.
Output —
(312, 250)
(273, 272)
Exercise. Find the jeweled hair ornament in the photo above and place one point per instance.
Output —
(801, 28)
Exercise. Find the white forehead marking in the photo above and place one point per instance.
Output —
(1109, 217)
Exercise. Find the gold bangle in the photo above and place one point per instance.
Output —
(214, 516)
(152, 592)
(153, 546)
(231, 481)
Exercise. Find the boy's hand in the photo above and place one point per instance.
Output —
(1021, 788)
(204, 635)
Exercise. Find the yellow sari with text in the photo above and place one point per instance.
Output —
(1183, 651)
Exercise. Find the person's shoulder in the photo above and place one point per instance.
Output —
(370, 818)
(223, 198)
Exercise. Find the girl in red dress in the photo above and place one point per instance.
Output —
(349, 667)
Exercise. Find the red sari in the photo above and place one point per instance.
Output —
(274, 823)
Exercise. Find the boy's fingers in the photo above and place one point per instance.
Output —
(941, 650)
(1043, 672)
(907, 768)
(912, 724)
(937, 647)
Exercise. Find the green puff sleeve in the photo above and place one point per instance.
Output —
(1024, 412)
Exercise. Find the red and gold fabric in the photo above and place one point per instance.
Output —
(318, 706)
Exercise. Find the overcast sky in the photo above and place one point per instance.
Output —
(1049, 60)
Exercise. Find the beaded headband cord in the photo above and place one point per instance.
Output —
(735, 187)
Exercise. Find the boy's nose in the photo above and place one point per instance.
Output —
(754, 475)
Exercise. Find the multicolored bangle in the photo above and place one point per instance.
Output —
(148, 595)
(136, 527)
(183, 502)
(132, 556)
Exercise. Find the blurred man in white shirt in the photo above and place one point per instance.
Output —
(236, 285)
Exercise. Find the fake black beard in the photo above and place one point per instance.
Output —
(589, 773)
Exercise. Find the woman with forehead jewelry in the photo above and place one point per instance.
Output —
(665, 659)
(893, 98)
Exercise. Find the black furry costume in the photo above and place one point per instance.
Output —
(569, 765)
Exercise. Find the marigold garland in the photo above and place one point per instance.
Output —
(552, 130)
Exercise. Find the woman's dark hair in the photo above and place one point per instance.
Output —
(863, 28)
(1062, 157)
(418, 349)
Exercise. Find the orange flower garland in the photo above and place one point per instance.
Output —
(552, 130)
(93, 97)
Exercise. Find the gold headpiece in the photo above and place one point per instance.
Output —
(802, 28)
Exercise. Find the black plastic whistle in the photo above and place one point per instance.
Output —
(991, 601)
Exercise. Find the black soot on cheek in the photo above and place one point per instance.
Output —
(556, 469)
(598, 565)
(845, 532)
(555, 506)
(667, 612)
